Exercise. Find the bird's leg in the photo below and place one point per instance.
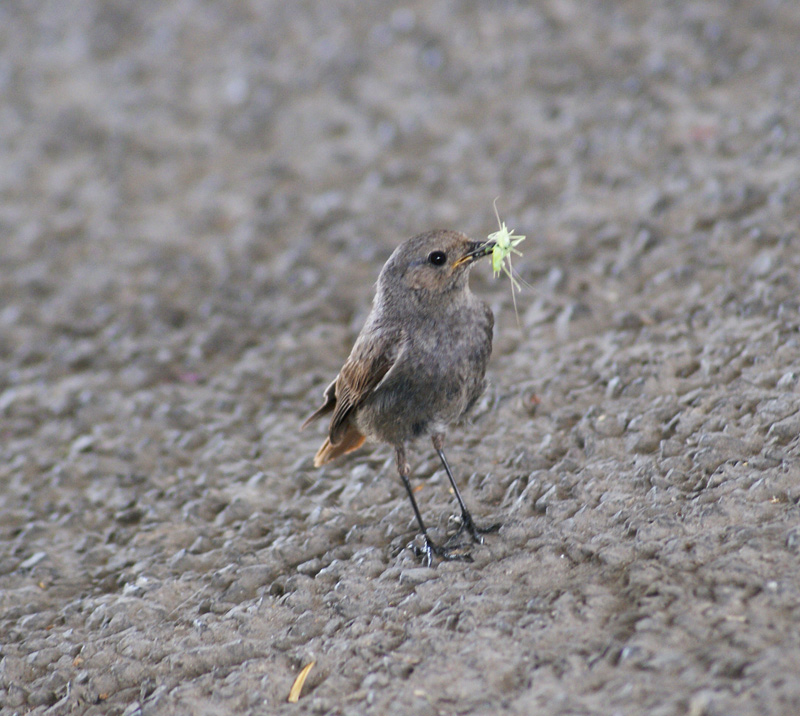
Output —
(431, 548)
(467, 523)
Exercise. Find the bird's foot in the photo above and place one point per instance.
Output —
(475, 531)
(429, 550)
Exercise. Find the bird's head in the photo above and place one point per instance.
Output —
(432, 265)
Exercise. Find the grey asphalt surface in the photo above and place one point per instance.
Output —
(195, 201)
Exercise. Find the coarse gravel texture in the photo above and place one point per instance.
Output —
(195, 201)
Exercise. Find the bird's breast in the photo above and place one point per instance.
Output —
(437, 377)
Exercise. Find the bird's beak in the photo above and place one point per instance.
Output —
(476, 250)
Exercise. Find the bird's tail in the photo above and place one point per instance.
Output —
(351, 440)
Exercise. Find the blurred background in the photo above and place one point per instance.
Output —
(195, 201)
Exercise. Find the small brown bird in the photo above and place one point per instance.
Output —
(418, 364)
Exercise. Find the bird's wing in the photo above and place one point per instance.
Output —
(368, 365)
(328, 404)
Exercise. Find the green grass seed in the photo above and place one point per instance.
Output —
(505, 243)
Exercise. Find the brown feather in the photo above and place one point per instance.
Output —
(351, 440)
(356, 380)
(363, 371)
(366, 367)
(327, 406)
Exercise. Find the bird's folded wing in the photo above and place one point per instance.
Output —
(328, 404)
(368, 365)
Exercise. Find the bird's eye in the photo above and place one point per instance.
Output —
(437, 258)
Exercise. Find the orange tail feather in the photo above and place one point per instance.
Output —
(351, 440)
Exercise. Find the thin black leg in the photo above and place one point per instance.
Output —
(430, 548)
(467, 523)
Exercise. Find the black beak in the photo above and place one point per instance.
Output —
(476, 250)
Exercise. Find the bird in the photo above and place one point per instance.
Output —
(416, 367)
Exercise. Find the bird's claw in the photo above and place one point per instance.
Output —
(475, 531)
(430, 549)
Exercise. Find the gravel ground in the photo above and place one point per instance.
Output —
(195, 201)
